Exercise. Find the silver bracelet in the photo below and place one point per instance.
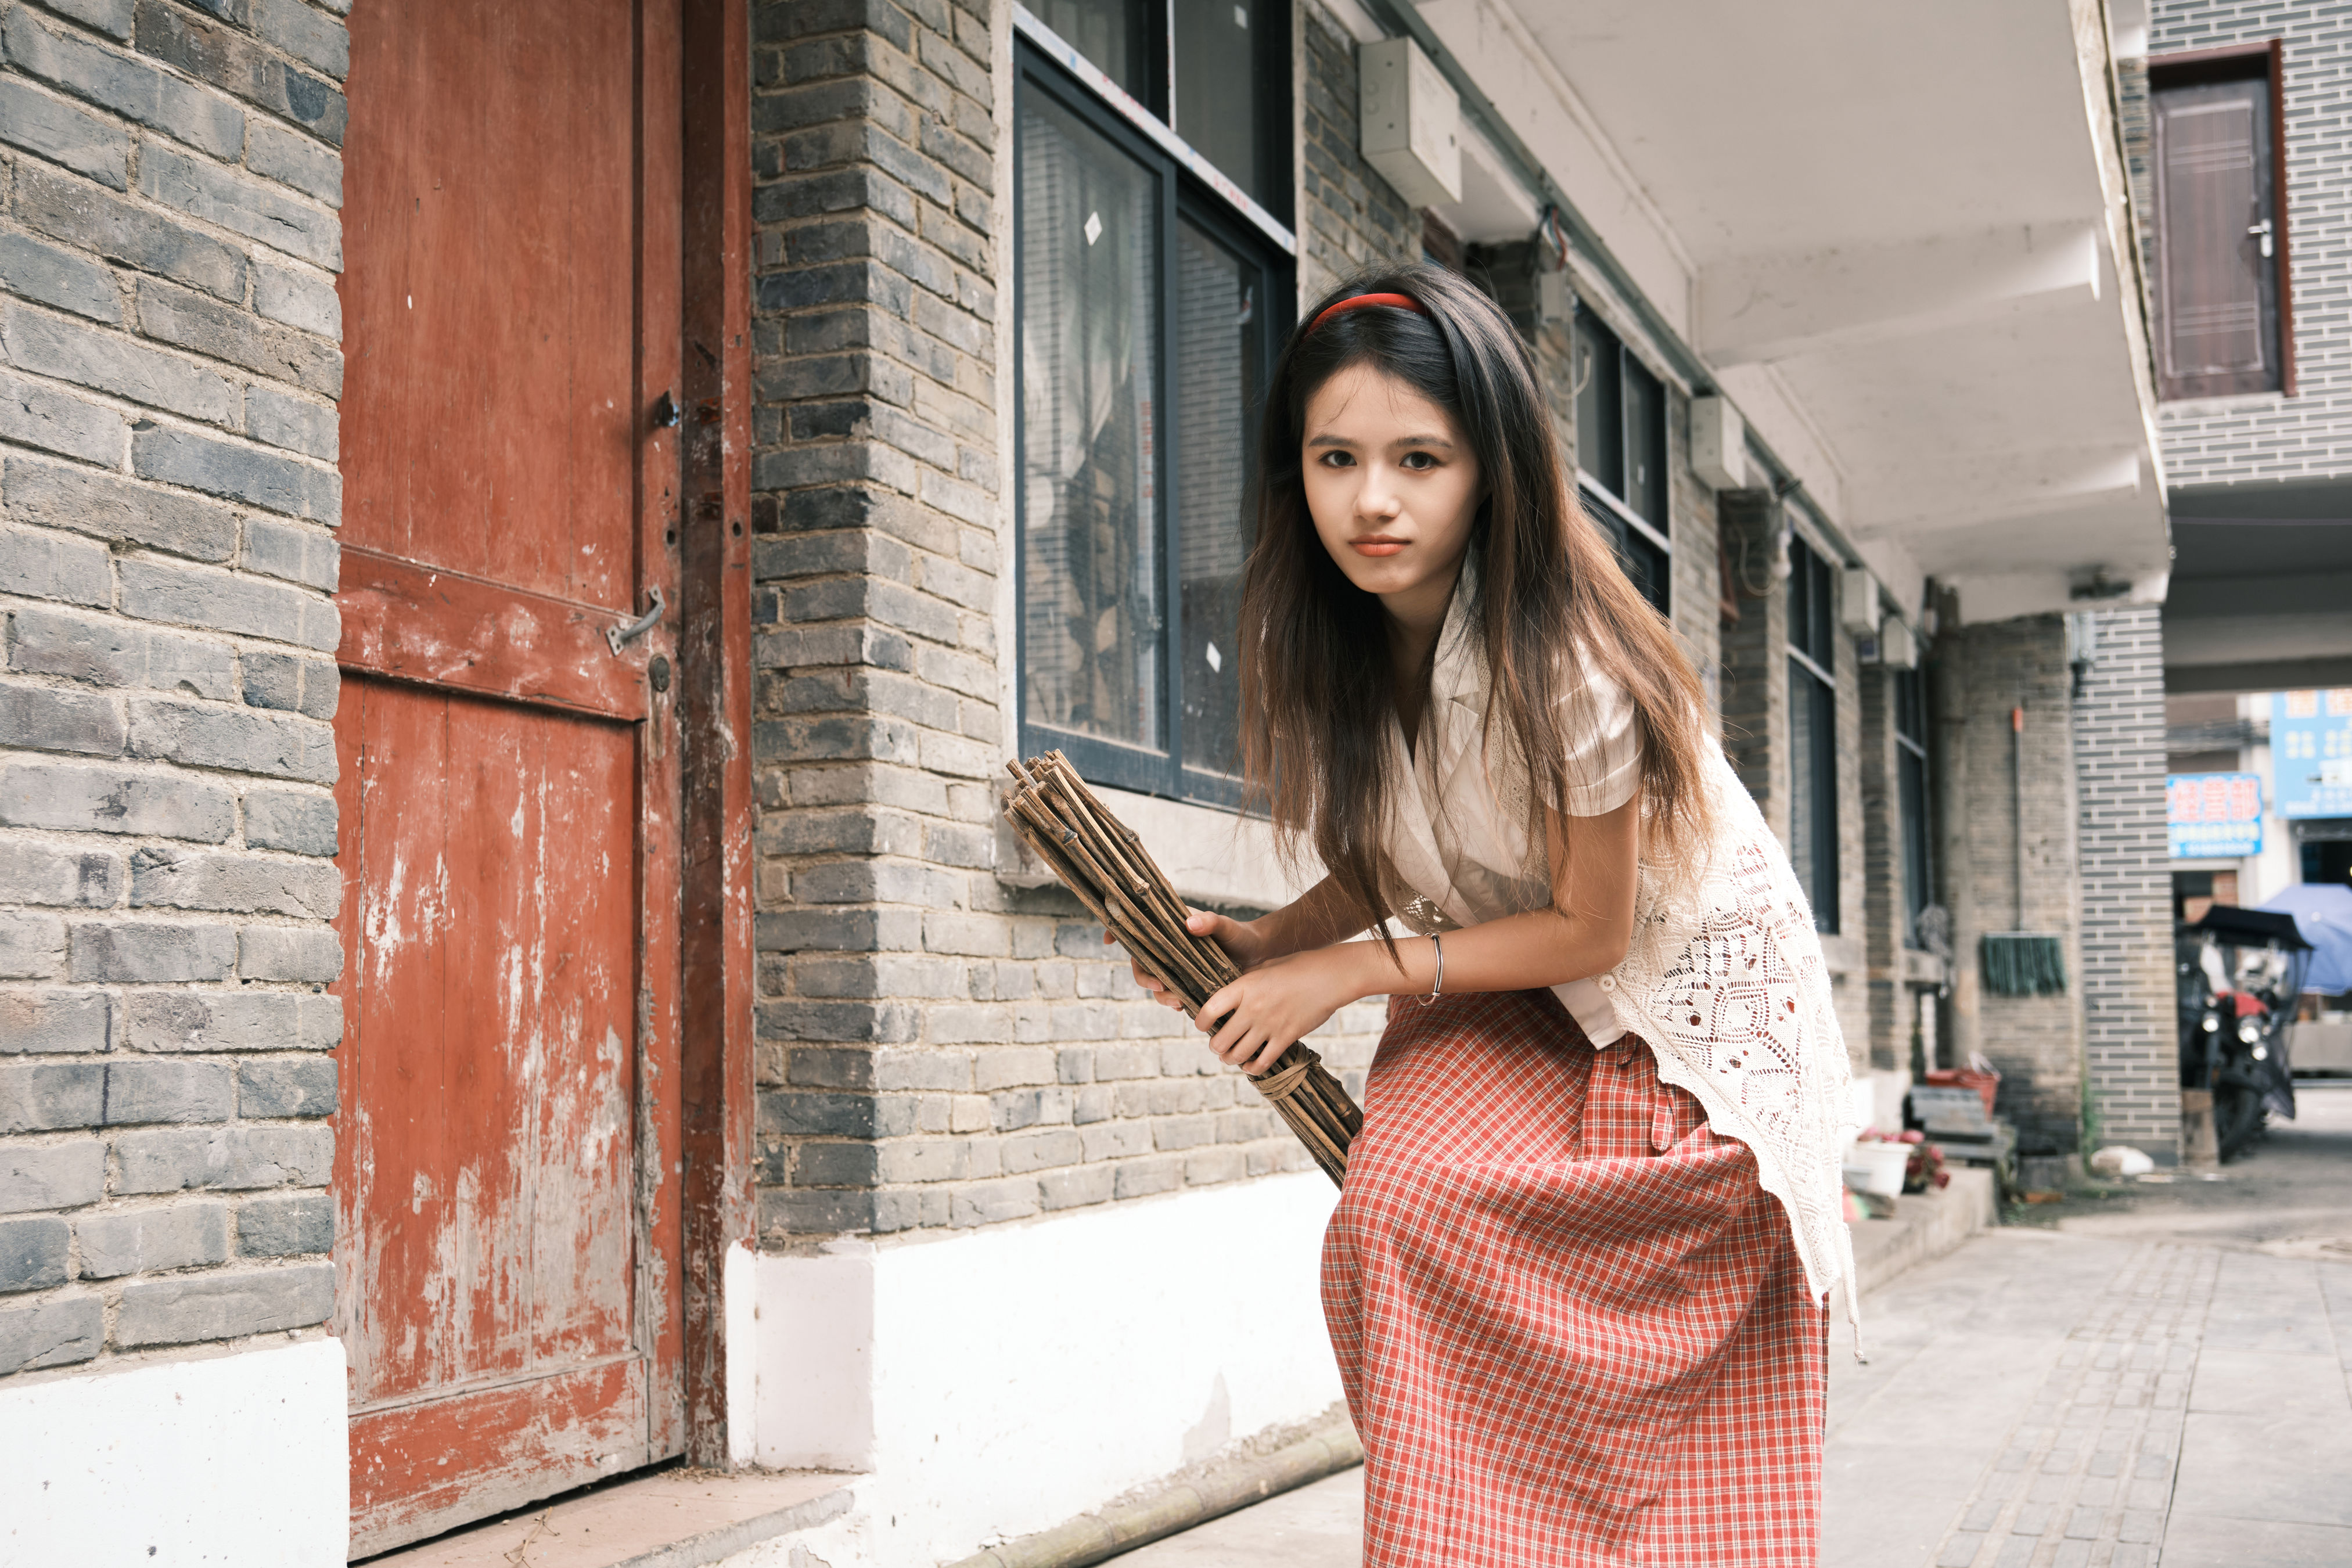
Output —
(1437, 981)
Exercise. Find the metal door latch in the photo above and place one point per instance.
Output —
(2262, 229)
(627, 632)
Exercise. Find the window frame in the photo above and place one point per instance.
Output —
(1149, 119)
(1625, 524)
(1906, 699)
(1189, 191)
(1616, 513)
(2264, 60)
(1811, 573)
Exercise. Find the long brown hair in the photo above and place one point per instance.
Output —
(1318, 692)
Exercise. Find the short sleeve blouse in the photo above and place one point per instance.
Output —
(1459, 838)
(1604, 750)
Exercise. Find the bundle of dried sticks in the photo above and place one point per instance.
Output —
(1103, 861)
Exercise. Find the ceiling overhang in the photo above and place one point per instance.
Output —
(1930, 327)
(2262, 586)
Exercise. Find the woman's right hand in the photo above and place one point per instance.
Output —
(1246, 943)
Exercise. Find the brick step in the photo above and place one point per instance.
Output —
(670, 1519)
(1925, 1224)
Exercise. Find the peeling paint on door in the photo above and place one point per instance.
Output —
(506, 1249)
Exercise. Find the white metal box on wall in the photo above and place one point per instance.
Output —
(1858, 602)
(1411, 121)
(1897, 648)
(1718, 441)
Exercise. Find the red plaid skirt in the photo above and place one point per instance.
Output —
(1573, 1328)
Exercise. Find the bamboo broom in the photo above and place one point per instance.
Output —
(1103, 861)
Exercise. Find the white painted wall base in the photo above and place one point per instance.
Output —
(740, 1301)
(232, 1460)
(998, 1382)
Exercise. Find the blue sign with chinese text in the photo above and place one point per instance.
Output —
(2310, 752)
(2214, 815)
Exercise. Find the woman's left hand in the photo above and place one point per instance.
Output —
(1263, 1014)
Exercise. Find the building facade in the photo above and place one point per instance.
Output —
(2257, 442)
(512, 970)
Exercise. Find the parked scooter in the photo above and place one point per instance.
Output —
(2240, 977)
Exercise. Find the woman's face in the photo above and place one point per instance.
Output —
(1394, 489)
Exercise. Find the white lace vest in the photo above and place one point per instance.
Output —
(1724, 978)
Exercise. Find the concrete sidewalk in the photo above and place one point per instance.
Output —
(2164, 1374)
(2158, 1374)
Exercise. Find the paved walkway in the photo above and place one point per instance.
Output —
(2157, 1377)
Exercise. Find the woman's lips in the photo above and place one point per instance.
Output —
(1375, 544)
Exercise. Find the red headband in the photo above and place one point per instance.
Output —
(1402, 301)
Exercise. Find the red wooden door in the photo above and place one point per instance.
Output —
(507, 1286)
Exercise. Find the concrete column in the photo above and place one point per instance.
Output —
(2129, 1030)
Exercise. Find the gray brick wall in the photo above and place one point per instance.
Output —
(1348, 215)
(1753, 683)
(1697, 596)
(1753, 679)
(169, 352)
(1977, 674)
(2130, 1041)
(1848, 952)
(2271, 437)
(937, 1047)
(1893, 1010)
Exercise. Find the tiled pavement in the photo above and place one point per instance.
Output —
(2164, 1384)
(2085, 1478)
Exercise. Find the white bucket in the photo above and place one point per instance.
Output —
(1876, 1168)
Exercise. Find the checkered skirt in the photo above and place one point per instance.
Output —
(1573, 1328)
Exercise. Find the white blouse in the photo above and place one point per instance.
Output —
(1724, 979)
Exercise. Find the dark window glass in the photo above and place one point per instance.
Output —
(1648, 565)
(1221, 351)
(1910, 709)
(2222, 311)
(1911, 798)
(1600, 404)
(1812, 605)
(1800, 596)
(1812, 730)
(1146, 313)
(1116, 35)
(1090, 521)
(1620, 422)
(1621, 446)
(1440, 246)
(1918, 891)
(1812, 791)
(1219, 85)
(1645, 445)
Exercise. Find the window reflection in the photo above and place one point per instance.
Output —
(1220, 327)
(1216, 85)
(1091, 569)
(1111, 32)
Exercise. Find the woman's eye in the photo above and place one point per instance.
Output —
(1339, 459)
(1419, 462)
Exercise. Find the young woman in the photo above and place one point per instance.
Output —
(1575, 1279)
